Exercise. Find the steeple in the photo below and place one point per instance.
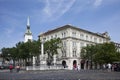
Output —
(28, 22)
(28, 33)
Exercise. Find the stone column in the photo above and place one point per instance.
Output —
(42, 57)
(54, 60)
(33, 61)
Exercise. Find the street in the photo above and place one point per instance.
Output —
(60, 75)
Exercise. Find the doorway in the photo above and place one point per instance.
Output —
(64, 63)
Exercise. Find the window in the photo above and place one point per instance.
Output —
(86, 37)
(55, 35)
(63, 34)
(47, 37)
(64, 43)
(74, 43)
(63, 52)
(100, 40)
(74, 53)
(73, 34)
(95, 39)
(91, 38)
(51, 37)
(81, 36)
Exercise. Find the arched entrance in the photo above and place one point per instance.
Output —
(64, 63)
(82, 64)
(74, 64)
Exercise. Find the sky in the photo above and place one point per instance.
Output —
(92, 15)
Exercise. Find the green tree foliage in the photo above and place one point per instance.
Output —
(13, 54)
(35, 48)
(107, 53)
(101, 53)
(5, 53)
(88, 53)
(22, 50)
(50, 48)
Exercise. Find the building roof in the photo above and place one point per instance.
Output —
(104, 35)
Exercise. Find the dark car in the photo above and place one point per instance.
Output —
(4, 66)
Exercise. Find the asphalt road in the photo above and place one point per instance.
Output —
(60, 75)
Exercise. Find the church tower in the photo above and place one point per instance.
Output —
(28, 33)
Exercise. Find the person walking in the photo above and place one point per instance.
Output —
(109, 67)
(11, 68)
(17, 68)
(78, 67)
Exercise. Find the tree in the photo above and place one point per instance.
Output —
(100, 53)
(5, 54)
(13, 54)
(28, 50)
(107, 53)
(35, 48)
(50, 48)
(88, 53)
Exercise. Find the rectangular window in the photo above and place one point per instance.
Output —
(74, 53)
(73, 34)
(100, 40)
(64, 43)
(55, 35)
(95, 39)
(63, 52)
(63, 34)
(91, 38)
(86, 37)
(81, 36)
(47, 37)
(51, 37)
(74, 44)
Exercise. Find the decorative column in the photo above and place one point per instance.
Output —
(33, 61)
(42, 57)
(54, 59)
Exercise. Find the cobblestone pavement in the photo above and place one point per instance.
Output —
(60, 75)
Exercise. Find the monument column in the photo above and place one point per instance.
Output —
(42, 56)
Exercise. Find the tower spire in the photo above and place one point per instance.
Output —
(28, 21)
(28, 33)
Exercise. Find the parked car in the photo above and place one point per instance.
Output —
(1, 67)
(4, 66)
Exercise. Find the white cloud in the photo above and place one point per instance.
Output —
(56, 8)
(97, 3)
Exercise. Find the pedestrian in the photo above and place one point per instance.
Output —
(17, 68)
(104, 67)
(109, 67)
(78, 67)
(11, 68)
(74, 66)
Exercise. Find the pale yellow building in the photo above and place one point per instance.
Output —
(73, 40)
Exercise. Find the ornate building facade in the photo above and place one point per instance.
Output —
(73, 39)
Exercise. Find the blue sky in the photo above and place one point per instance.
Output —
(93, 15)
